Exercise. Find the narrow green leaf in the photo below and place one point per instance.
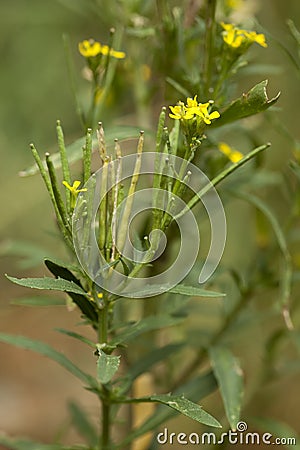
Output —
(197, 388)
(191, 291)
(77, 336)
(294, 31)
(187, 408)
(39, 301)
(86, 306)
(45, 349)
(255, 101)
(221, 177)
(179, 88)
(148, 324)
(194, 291)
(140, 33)
(53, 263)
(107, 366)
(56, 284)
(72, 78)
(295, 168)
(82, 424)
(287, 271)
(230, 380)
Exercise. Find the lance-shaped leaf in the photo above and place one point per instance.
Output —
(286, 272)
(55, 284)
(82, 424)
(46, 350)
(253, 102)
(149, 323)
(230, 380)
(87, 307)
(191, 291)
(197, 388)
(187, 408)
(107, 366)
(39, 301)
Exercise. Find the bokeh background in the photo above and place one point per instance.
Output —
(34, 93)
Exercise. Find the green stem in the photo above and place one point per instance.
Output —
(87, 156)
(215, 181)
(64, 162)
(210, 30)
(105, 437)
(104, 442)
(71, 73)
(46, 178)
(109, 73)
(57, 196)
(130, 196)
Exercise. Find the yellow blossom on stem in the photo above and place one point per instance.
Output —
(74, 190)
(231, 153)
(105, 50)
(90, 48)
(180, 112)
(193, 109)
(235, 37)
(191, 102)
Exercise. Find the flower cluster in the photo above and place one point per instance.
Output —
(237, 38)
(193, 109)
(90, 48)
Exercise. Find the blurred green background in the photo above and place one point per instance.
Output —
(35, 92)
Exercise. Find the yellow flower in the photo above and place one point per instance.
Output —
(231, 153)
(235, 37)
(74, 191)
(202, 112)
(180, 112)
(74, 188)
(258, 38)
(192, 102)
(193, 109)
(105, 50)
(89, 48)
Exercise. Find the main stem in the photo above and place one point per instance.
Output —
(105, 438)
(104, 443)
(210, 29)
